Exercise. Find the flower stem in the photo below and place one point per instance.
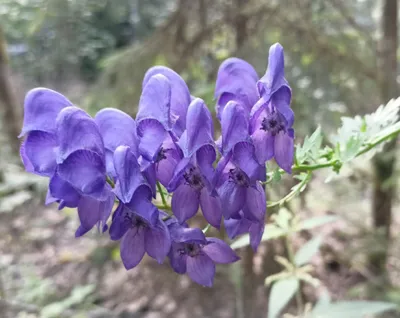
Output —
(293, 193)
(160, 190)
(299, 300)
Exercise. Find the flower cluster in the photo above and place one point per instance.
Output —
(113, 160)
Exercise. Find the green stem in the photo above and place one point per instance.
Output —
(377, 142)
(160, 190)
(293, 193)
(299, 300)
(110, 182)
(304, 168)
(206, 228)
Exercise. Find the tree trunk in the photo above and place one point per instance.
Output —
(384, 163)
(7, 99)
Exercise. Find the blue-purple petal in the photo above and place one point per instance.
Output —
(185, 202)
(200, 131)
(117, 129)
(180, 96)
(155, 101)
(152, 134)
(132, 247)
(120, 224)
(211, 208)
(255, 206)
(64, 191)
(76, 130)
(234, 124)
(177, 258)
(256, 232)
(85, 171)
(233, 198)
(244, 157)
(41, 108)
(274, 76)
(129, 177)
(284, 151)
(219, 251)
(92, 212)
(264, 143)
(141, 204)
(38, 153)
(201, 269)
(182, 234)
(205, 157)
(157, 241)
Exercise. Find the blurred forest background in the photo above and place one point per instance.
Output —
(341, 59)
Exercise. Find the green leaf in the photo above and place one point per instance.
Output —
(310, 149)
(307, 251)
(281, 293)
(316, 221)
(351, 309)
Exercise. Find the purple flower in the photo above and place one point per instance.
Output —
(64, 143)
(241, 225)
(37, 151)
(238, 171)
(194, 175)
(271, 117)
(180, 96)
(136, 220)
(192, 253)
(236, 81)
(117, 129)
(80, 177)
(155, 128)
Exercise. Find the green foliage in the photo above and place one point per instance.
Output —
(350, 309)
(78, 296)
(359, 135)
(281, 293)
(307, 251)
(60, 38)
(310, 150)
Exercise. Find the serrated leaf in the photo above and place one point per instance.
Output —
(307, 251)
(316, 221)
(281, 293)
(351, 309)
(310, 148)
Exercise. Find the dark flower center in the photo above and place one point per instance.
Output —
(273, 123)
(193, 178)
(135, 220)
(161, 154)
(239, 177)
(191, 249)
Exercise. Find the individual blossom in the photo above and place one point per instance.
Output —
(117, 129)
(194, 175)
(240, 224)
(136, 221)
(238, 171)
(155, 129)
(271, 117)
(192, 253)
(180, 96)
(63, 143)
(41, 107)
(80, 176)
(236, 81)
